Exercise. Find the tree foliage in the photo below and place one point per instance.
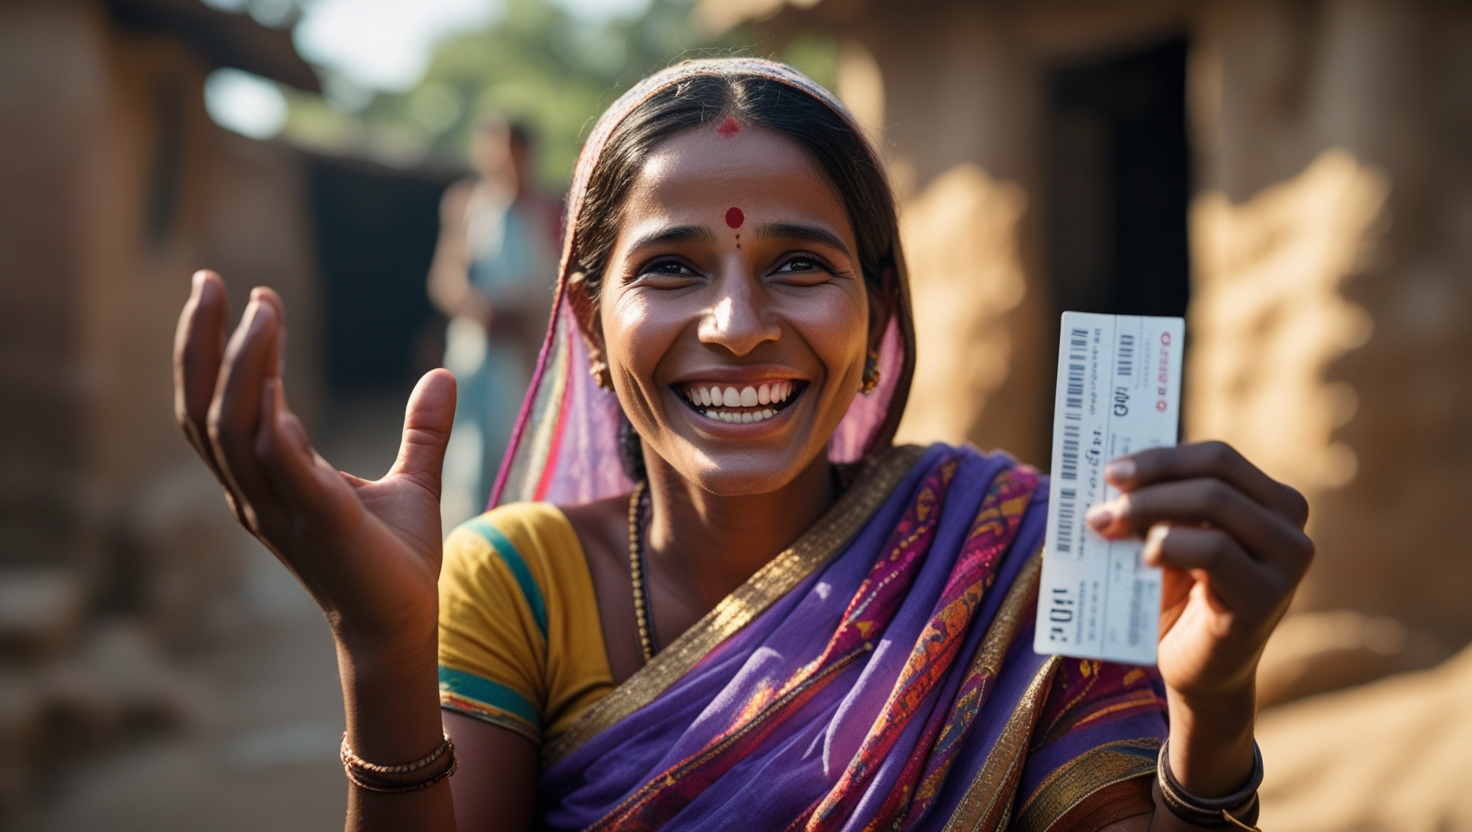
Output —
(536, 64)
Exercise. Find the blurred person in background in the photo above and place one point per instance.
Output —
(492, 277)
(713, 593)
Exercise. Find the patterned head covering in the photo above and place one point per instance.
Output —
(565, 447)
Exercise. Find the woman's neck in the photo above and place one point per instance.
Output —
(702, 546)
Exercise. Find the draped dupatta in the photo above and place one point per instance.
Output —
(878, 673)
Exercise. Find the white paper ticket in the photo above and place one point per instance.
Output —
(1119, 391)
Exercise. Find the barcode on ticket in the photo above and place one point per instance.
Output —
(1118, 392)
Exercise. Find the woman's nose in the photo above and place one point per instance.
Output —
(738, 319)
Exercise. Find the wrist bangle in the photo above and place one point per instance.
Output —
(1237, 810)
(405, 777)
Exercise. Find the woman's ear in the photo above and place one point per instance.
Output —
(590, 327)
(598, 367)
(881, 306)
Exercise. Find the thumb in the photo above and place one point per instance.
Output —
(427, 421)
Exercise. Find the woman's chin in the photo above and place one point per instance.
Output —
(731, 457)
(742, 472)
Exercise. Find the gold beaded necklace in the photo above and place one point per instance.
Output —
(638, 574)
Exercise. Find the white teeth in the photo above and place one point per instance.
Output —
(740, 418)
(706, 399)
(774, 392)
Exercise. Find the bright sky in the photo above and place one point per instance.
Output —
(385, 44)
(377, 44)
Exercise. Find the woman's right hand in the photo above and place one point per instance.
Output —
(367, 551)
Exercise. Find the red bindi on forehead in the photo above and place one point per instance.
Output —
(729, 127)
(735, 218)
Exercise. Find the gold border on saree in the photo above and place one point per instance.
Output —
(815, 547)
(988, 796)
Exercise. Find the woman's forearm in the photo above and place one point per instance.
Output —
(393, 716)
(1211, 741)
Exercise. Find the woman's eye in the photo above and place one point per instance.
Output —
(803, 267)
(667, 269)
(800, 264)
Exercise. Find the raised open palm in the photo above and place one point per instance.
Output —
(367, 551)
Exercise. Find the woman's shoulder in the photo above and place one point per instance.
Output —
(533, 540)
(520, 644)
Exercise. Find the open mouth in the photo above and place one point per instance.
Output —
(745, 404)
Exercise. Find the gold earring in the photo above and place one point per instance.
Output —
(871, 373)
(598, 369)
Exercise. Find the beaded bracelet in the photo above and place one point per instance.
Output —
(1238, 809)
(406, 777)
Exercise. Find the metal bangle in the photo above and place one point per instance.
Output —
(1238, 809)
(406, 777)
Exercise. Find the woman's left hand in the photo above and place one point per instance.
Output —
(1231, 542)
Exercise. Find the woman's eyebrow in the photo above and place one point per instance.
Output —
(790, 231)
(677, 234)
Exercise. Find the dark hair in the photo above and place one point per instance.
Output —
(837, 148)
(519, 133)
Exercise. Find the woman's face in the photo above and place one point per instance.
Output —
(734, 316)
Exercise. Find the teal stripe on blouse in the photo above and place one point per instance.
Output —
(513, 560)
(490, 693)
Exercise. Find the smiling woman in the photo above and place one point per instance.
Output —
(704, 461)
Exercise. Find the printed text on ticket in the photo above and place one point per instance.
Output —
(1119, 390)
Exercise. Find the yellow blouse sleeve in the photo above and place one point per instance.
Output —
(520, 644)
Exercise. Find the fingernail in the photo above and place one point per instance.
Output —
(1120, 470)
(1099, 517)
(197, 280)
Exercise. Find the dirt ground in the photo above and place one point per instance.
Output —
(260, 748)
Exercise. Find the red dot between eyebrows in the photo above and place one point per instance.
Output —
(729, 127)
(735, 218)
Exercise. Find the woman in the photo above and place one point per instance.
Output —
(845, 625)
(491, 276)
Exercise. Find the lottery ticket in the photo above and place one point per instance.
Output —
(1119, 390)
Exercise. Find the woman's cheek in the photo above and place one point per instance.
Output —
(838, 332)
(639, 334)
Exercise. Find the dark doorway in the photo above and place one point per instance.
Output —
(1118, 184)
(376, 232)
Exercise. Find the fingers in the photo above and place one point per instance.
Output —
(199, 345)
(1208, 459)
(427, 421)
(251, 357)
(289, 464)
(1267, 535)
(1233, 574)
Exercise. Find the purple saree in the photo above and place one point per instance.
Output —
(878, 673)
(894, 686)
